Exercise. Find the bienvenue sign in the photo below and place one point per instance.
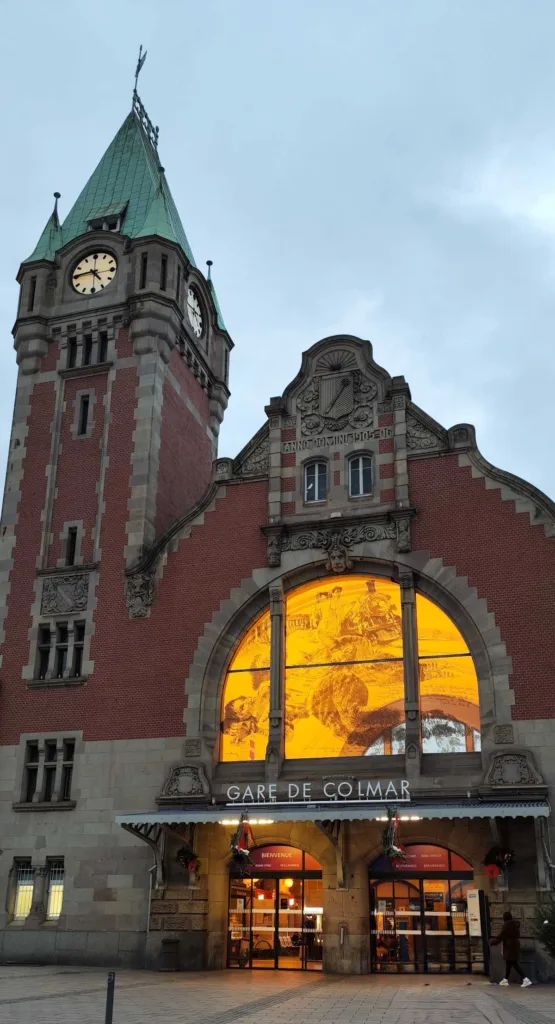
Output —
(340, 791)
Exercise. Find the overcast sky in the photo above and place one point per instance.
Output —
(384, 168)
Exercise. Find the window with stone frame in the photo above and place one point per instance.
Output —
(359, 652)
(316, 481)
(24, 887)
(48, 771)
(60, 650)
(55, 889)
(360, 476)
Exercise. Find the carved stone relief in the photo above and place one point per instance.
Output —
(186, 781)
(514, 769)
(257, 462)
(336, 400)
(503, 734)
(139, 594)
(336, 543)
(419, 437)
(403, 535)
(64, 594)
(192, 748)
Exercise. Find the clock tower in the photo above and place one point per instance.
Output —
(123, 367)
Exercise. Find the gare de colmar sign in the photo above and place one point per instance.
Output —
(326, 791)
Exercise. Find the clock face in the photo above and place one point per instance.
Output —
(194, 312)
(94, 273)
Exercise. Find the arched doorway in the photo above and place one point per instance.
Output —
(275, 913)
(426, 915)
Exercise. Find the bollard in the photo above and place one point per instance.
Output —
(110, 998)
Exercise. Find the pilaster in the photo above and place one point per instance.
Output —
(410, 671)
(275, 751)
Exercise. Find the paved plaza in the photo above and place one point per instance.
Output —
(58, 995)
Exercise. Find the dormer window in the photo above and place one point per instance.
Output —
(107, 218)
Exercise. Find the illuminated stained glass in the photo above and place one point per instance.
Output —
(246, 697)
(449, 698)
(344, 676)
(344, 686)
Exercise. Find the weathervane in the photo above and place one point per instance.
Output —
(151, 130)
(140, 62)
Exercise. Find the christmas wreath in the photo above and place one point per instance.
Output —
(497, 861)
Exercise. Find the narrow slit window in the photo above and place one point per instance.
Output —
(102, 347)
(43, 651)
(87, 350)
(226, 364)
(78, 642)
(49, 771)
(71, 545)
(144, 269)
(25, 883)
(67, 769)
(71, 353)
(60, 662)
(32, 294)
(163, 273)
(83, 415)
(31, 771)
(55, 897)
(316, 481)
(178, 283)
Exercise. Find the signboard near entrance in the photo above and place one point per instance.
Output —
(473, 911)
(282, 858)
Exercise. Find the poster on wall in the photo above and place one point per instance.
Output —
(473, 910)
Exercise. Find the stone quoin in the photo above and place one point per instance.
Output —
(292, 709)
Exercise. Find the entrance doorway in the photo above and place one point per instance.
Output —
(421, 921)
(275, 914)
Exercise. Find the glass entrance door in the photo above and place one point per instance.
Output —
(420, 925)
(275, 923)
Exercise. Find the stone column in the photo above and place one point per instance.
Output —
(56, 794)
(275, 751)
(410, 671)
(37, 797)
(38, 906)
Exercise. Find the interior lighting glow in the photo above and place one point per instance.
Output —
(314, 910)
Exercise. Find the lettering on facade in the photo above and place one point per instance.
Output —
(335, 440)
(343, 791)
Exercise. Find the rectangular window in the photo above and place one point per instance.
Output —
(226, 364)
(31, 771)
(43, 651)
(163, 273)
(78, 641)
(60, 660)
(71, 353)
(87, 350)
(67, 769)
(316, 481)
(55, 897)
(49, 772)
(178, 284)
(83, 415)
(71, 545)
(32, 293)
(144, 268)
(102, 347)
(25, 881)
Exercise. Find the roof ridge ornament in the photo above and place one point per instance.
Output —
(138, 107)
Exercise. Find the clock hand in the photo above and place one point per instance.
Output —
(84, 274)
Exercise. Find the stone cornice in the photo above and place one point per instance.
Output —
(336, 538)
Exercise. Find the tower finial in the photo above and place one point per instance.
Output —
(57, 195)
(140, 62)
(209, 264)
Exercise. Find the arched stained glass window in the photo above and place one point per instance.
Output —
(344, 676)
(344, 667)
(246, 700)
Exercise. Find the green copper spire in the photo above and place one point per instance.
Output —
(221, 325)
(51, 239)
(159, 218)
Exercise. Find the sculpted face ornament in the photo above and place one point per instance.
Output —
(338, 559)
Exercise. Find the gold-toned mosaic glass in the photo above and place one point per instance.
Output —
(344, 675)
(246, 698)
(344, 685)
(449, 699)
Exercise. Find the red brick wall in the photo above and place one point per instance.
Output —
(509, 561)
(50, 360)
(78, 470)
(16, 703)
(185, 466)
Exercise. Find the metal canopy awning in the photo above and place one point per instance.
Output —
(339, 811)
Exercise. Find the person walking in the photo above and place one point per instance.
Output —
(510, 937)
